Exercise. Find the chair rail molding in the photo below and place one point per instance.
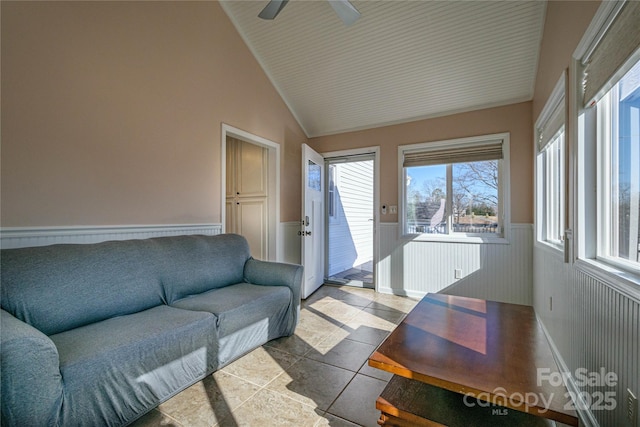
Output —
(19, 237)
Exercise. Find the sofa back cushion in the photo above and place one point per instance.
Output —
(196, 264)
(61, 287)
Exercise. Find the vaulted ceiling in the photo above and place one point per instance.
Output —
(401, 61)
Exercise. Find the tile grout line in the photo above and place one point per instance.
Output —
(261, 388)
(363, 304)
(167, 415)
(338, 396)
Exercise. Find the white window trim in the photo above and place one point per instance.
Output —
(603, 171)
(605, 128)
(557, 96)
(546, 165)
(585, 131)
(504, 189)
(559, 161)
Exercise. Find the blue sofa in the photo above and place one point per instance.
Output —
(100, 334)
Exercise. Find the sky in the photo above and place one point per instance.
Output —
(427, 173)
(420, 175)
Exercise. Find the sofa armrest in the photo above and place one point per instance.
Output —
(269, 273)
(30, 370)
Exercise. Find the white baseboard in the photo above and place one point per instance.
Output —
(586, 416)
(15, 237)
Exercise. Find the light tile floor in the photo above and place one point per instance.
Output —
(317, 377)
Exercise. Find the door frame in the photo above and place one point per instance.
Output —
(273, 178)
(375, 151)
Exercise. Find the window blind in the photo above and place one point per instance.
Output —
(553, 115)
(550, 128)
(490, 150)
(609, 55)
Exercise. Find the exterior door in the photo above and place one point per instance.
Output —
(312, 230)
(350, 220)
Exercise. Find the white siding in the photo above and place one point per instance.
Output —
(351, 230)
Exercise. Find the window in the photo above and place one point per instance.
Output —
(314, 172)
(618, 188)
(608, 143)
(552, 165)
(331, 196)
(454, 188)
(550, 169)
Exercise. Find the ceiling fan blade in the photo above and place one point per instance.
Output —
(345, 10)
(272, 9)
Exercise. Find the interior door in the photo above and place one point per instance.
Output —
(247, 210)
(312, 230)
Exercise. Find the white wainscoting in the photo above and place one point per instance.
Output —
(593, 325)
(41, 236)
(289, 247)
(499, 272)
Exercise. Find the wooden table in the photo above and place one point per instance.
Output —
(469, 346)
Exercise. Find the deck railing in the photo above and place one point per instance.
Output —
(417, 227)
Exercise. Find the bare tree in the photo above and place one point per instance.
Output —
(461, 201)
(477, 181)
(474, 191)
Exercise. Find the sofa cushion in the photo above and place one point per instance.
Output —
(196, 264)
(117, 369)
(60, 287)
(242, 305)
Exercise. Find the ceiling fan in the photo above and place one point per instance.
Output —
(343, 8)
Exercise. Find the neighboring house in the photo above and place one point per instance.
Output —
(350, 215)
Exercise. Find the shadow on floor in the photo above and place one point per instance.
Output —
(317, 377)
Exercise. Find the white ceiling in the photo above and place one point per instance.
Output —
(401, 61)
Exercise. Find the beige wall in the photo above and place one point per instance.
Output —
(515, 119)
(112, 113)
(565, 23)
